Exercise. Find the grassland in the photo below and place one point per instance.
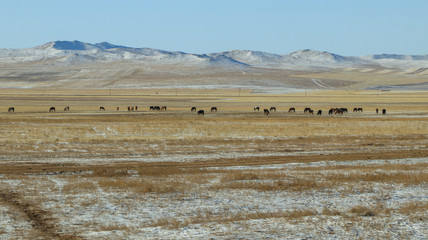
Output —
(235, 173)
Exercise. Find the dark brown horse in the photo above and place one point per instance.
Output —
(193, 109)
(201, 112)
(306, 110)
(292, 109)
(311, 112)
(52, 109)
(273, 109)
(256, 108)
(214, 109)
(266, 112)
(163, 108)
(11, 109)
(66, 109)
(102, 109)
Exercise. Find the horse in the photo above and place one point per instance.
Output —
(330, 112)
(11, 109)
(193, 109)
(52, 109)
(377, 111)
(214, 109)
(292, 109)
(67, 109)
(311, 112)
(319, 112)
(273, 109)
(306, 110)
(163, 108)
(201, 112)
(265, 112)
(129, 108)
(383, 111)
(102, 109)
(256, 108)
(358, 110)
(338, 111)
(117, 109)
(136, 108)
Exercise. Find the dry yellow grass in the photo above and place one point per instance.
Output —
(190, 154)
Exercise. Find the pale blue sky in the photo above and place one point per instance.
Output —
(350, 28)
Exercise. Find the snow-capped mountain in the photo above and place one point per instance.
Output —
(76, 52)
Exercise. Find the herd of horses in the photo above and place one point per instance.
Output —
(266, 111)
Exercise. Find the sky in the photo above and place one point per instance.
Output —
(345, 27)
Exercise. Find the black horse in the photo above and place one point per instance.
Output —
(266, 112)
(11, 109)
(273, 109)
(201, 112)
(102, 109)
(256, 108)
(52, 109)
(319, 112)
(214, 109)
(292, 109)
(193, 109)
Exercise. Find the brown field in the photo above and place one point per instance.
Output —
(235, 173)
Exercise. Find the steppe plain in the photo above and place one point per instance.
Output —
(234, 173)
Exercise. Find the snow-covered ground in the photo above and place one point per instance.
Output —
(93, 211)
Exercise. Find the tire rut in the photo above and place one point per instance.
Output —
(41, 220)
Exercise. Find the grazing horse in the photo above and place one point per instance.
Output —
(157, 108)
(377, 111)
(201, 112)
(193, 109)
(214, 109)
(273, 109)
(311, 112)
(256, 108)
(52, 109)
(102, 109)
(152, 108)
(163, 108)
(67, 109)
(358, 109)
(266, 112)
(338, 111)
(11, 109)
(136, 108)
(330, 112)
(307, 110)
(383, 111)
(292, 109)
(319, 112)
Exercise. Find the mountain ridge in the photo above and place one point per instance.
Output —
(107, 52)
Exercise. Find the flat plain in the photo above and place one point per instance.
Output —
(233, 173)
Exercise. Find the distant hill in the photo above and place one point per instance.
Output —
(76, 52)
(84, 65)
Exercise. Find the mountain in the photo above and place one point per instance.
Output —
(76, 52)
(75, 64)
